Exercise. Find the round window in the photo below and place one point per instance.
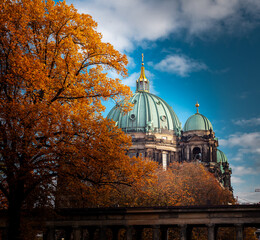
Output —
(132, 117)
(163, 117)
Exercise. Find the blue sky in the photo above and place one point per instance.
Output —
(205, 50)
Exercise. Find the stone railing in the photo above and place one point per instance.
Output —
(98, 222)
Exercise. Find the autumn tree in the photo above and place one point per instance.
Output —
(53, 78)
(182, 184)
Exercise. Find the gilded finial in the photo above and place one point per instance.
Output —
(142, 83)
(197, 106)
(142, 75)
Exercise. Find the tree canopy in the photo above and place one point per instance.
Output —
(182, 184)
(53, 77)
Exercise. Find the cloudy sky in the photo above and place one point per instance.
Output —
(205, 50)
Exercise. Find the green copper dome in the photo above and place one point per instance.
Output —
(221, 157)
(197, 122)
(150, 113)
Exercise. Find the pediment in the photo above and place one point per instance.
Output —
(195, 138)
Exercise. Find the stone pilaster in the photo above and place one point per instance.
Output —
(239, 231)
(76, 233)
(129, 233)
(156, 232)
(211, 232)
(50, 233)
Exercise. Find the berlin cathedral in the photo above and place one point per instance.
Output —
(157, 133)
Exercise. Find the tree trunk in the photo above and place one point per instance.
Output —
(14, 221)
(14, 211)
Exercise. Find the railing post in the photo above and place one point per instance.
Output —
(115, 232)
(138, 232)
(91, 232)
(68, 233)
(50, 233)
(211, 232)
(183, 231)
(156, 232)
(129, 233)
(76, 233)
(102, 233)
(4, 234)
(239, 231)
(164, 232)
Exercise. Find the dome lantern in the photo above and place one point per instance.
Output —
(142, 83)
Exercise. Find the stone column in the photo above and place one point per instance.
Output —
(210, 153)
(115, 232)
(76, 233)
(91, 232)
(211, 232)
(50, 233)
(102, 233)
(164, 232)
(156, 232)
(164, 160)
(205, 153)
(183, 232)
(239, 231)
(68, 233)
(4, 234)
(129, 233)
(138, 233)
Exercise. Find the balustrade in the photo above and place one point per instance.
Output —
(160, 232)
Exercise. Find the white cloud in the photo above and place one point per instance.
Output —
(126, 23)
(246, 140)
(248, 143)
(131, 80)
(123, 22)
(248, 197)
(238, 171)
(131, 62)
(247, 122)
(236, 180)
(180, 65)
(239, 155)
(246, 176)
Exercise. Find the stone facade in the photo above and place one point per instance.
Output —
(166, 148)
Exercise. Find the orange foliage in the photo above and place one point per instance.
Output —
(183, 184)
(53, 78)
(3, 201)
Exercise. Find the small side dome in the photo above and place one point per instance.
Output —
(197, 122)
(221, 157)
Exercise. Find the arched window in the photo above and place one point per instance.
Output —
(196, 154)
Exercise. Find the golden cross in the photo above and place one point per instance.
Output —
(197, 106)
